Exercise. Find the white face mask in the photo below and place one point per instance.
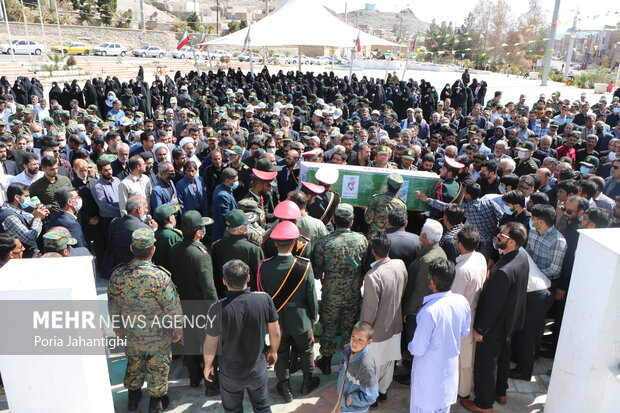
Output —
(78, 206)
(612, 156)
(522, 155)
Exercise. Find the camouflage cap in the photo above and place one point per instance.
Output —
(48, 120)
(2, 122)
(248, 205)
(395, 180)
(143, 238)
(57, 239)
(344, 211)
(16, 122)
(92, 107)
(27, 110)
(64, 113)
(89, 118)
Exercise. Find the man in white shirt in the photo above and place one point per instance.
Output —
(136, 184)
(471, 272)
(31, 171)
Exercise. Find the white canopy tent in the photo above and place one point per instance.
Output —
(296, 23)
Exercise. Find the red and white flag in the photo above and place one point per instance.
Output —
(183, 40)
(358, 44)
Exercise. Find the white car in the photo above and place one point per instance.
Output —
(281, 59)
(305, 60)
(245, 57)
(149, 51)
(22, 47)
(216, 54)
(185, 52)
(324, 60)
(110, 49)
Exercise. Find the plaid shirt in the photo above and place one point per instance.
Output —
(13, 225)
(539, 130)
(547, 251)
(482, 213)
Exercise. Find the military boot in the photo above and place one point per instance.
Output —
(310, 383)
(158, 404)
(284, 390)
(133, 399)
(325, 364)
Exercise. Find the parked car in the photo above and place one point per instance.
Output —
(343, 61)
(22, 47)
(323, 60)
(281, 59)
(245, 57)
(216, 54)
(149, 51)
(110, 49)
(305, 60)
(185, 52)
(73, 48)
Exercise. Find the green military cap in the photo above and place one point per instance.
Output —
(211, 136)
(383, 149)
(110, 118)
(409, 154)
(2, 122)
(522, 96)
(274, 122)
(393, 115)
(395, 180)
(20, 107)
(344, 211)
(48, 120)
(527, 146)
(139, 114)
(306, 130)
(89, 118)
(143, 238)
(554, 123)
(104, 126)
(16, 122)
(159, 116)
(64, 113)
(236, 218)
(192, 219)
(286, 137)
(56, 108)
(27, 110)
(163, 211)
(58, 239)
(92, 107)
(350, 129)
(234, 150)
(338, 96)
(566, 159)
(591, 161)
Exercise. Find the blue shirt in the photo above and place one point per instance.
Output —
(442, 322)
(106, 196)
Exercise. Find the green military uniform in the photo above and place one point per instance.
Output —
(142, 289)
(449, 191)
(45, 190)
(232, 247)
(165, 237)
(525, 167)
(311, 228)
(337, 261)
(376, 214)
(297, 315)
(192, 273)
(256, 230)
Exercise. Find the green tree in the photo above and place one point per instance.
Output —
(107, 9)
(193, 21)
(86, 11)
(243, 24)
(233, 26)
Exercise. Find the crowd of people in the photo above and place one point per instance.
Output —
(189, 189)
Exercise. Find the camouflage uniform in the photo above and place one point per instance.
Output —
(256, 219)
(337, 261)
(380, 206)
(140, 288)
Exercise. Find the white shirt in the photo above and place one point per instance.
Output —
(132, 186)
(22, 178)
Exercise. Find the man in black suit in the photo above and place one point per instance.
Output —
(404, 244)
(9, 167)
(70, 204)
(500, 312)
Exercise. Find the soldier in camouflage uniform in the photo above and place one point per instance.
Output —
(337, 262)
(376, 215)
(255, 217)
(139, 288)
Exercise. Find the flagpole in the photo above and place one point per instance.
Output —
(8, 29)
(26, 29)
(351, 67)
(387, 67)
(407, 62)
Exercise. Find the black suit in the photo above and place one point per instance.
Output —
(500, 312)
(10, 167)
(404, 245)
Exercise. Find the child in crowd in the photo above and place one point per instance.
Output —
(357, 379)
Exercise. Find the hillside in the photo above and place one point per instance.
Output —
(371, 20)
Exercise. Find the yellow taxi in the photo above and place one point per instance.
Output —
(73, 48)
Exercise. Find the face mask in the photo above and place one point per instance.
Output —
(82, 135)
(110, 98)
(204, 231)
(616, 110)
(612, 156)
(532, 227)
(62, 144)
(143, 217)
(29, 145)
(569, 120)
(37, 135)
(521, 155)
(270, 150)
(584, 170)
(502, 188)
(234, 186)
(138, 120)
(508, 210)
(78, 206)
(25, 202)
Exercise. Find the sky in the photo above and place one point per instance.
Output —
(456, 10)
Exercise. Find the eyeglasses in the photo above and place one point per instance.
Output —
(524, 187)
(568, 211)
